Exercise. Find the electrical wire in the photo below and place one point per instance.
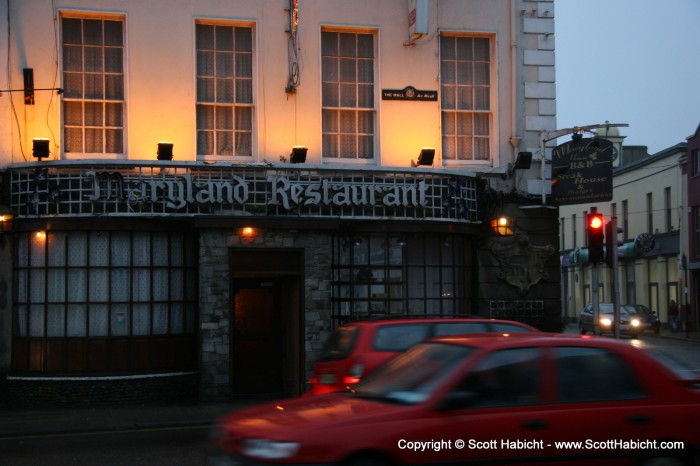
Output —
(9, 81)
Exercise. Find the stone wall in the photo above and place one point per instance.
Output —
(214, 305)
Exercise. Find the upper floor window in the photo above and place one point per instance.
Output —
(348, 95)
(465, 71)
(93, 83)
(224, 91)
(695, 160)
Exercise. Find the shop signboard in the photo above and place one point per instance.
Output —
(132, 188)
(582, 171)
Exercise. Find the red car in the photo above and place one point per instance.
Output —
(532, 398)
(355, 350)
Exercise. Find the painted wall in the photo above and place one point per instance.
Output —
(160, 82)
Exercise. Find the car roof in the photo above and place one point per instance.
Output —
(494, 340)
(418, 320)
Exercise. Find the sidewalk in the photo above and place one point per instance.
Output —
(61, 421)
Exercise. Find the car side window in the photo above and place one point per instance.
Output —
(504, 378)
(399, 337)
(456, 328)
(509, 328)
(594, 374)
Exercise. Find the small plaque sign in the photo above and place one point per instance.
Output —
(408, 93)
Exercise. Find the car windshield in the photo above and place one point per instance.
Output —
(340, 343)
(411, 378)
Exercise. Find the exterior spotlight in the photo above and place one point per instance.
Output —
(165, 151)
(426, 156)
(298, 154)
(522, 162)
(6, 216)
(40, 148)
(503, 226)
(248, 231)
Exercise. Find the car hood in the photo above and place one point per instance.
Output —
(274, 420)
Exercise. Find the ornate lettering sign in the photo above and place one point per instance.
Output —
(141, 189)
(582, 171)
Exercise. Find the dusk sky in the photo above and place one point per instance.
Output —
(629, 61)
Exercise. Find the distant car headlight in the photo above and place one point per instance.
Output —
(635, 323)
(605, 321)
(269, 449)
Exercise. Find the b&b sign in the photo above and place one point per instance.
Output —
(582, 171)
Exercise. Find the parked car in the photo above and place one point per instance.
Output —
(486, 399)
(631, 323)
(354, 350)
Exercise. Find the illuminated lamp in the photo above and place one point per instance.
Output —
(503, 226)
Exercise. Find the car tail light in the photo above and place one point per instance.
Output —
(355, 374)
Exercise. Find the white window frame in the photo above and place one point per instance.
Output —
(65, 97)
(375, 96)
(491, 158)
(252, 105)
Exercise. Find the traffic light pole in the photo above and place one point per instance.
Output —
(615, 277)
(594, 299)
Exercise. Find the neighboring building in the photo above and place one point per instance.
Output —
(217, 267)
(647, 199)
(690, 314)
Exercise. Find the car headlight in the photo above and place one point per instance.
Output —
(635, 323)
(605, 321)
(269, 449)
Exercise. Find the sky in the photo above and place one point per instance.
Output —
(629, 61)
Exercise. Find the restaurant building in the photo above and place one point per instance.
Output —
(194, 194)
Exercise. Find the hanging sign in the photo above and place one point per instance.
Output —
(582, 171)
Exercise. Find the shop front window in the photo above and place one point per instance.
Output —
(80, 294)
(397, 274)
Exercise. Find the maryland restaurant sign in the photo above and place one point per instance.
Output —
(133, 188)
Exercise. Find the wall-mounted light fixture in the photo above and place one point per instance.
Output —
(503, 226)
(165, 151)
(298, 154)
(426, 156)
(247, 232)
(40, 148)
(6, 216)
(522, 162)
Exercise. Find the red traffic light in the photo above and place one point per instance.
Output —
(596, 221)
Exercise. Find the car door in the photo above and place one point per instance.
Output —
(504, 395)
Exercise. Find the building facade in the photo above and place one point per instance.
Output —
(690, 259)
(647, 203)
(196, 193)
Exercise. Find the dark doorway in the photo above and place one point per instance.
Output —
(256, 340)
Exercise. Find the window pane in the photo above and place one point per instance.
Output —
(99, 320)
(77, 320)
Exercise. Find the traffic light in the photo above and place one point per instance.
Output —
(596, 236)
(611, 242)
